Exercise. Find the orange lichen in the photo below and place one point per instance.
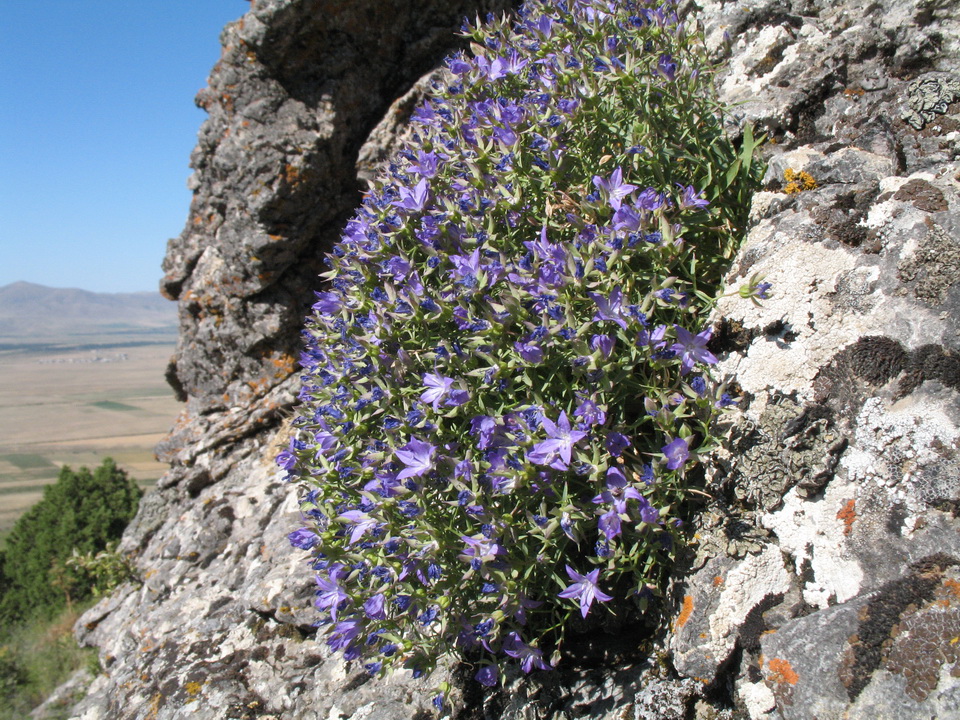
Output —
(952, 587)
(782, 672)
(848, 514)
(285, 365)
(685, 612)
(718, 581)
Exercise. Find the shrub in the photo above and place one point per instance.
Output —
(505, 381)
(81, 510)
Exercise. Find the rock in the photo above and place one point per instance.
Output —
(845, 446)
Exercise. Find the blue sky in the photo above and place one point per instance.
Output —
(97, 122)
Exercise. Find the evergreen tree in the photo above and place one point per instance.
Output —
(81, 510)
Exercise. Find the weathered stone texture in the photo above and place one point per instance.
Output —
(845, 451)
(823, 579)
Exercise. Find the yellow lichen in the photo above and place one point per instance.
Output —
(798, 181)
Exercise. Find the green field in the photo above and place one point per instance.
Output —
(76, 407)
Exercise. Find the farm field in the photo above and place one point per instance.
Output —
(76, 407)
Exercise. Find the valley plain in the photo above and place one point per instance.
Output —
(76, 405)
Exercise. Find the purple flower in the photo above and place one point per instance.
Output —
(466, 265)
(505, 135)
(545, 25)
(666, 67)
(438, 387)
(286, 459)
(610, 308)
(374, 607)
(584, 589)
(414, 200)
(493, 69)
(398, 267)
(690, 199)
(515, 62)
(609, 524)
(488, 675)
(650, 200)
(602, 344)
(325, 441)
(724, 401)
(626, 219)
(486, 428)
(384, 484)
(648, 513)
(530, 352)
(615, 188)
(304, 538)
(617, 443)
(677, 452)
(692, 348)
(330, 595)
(362, 523)
(480, 549)
(458, 65)
(530, 657)
(426, 165)
(589, 412)
(418, 458)
(556, 450)
(343, 635)
(328, 303)
(618, 491)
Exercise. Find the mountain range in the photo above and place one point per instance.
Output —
(31, 313)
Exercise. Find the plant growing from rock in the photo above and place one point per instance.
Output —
(506, 380)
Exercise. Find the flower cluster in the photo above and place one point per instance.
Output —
(506, 378)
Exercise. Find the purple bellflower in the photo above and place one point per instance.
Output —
(418, 458)
(530, 352)
(610, 308)
(304, 538)
(666, 67)
(328, 303)
(677, 452)
(556, 450)
(330, 595)
(416, 199)
(530, 657)
(362, 523)
(690, 199)
(488, 675)
(584, 589)
(438, 387)
(692, 348)
(615, 188)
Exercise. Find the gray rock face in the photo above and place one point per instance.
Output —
(842, 465)
(825, 577)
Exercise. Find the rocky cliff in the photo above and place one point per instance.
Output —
(825, 581)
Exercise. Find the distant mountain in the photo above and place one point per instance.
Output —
(31, 313)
